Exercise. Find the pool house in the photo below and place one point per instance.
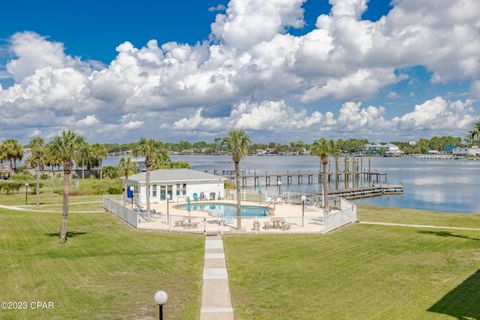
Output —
(177, 184)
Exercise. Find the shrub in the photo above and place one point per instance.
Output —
(10, 186)
(44, 176)
(22, 177)
(114, 190)
(34, 187)
(110, 172)
(229, 184)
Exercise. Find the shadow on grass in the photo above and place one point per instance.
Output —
(70, 234)
(447, 234)
(463, 301)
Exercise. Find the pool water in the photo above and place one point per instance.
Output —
(227, 210)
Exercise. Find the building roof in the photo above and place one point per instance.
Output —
(176, 175)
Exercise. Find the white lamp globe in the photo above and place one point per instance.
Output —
(304, 198)
(161, 297)
(169, 197)
(279, 182)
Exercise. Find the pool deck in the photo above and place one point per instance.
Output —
(201, 221)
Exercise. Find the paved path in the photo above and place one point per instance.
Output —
(216, 302)
(417, 225)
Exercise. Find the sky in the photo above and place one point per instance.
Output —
(281, 70)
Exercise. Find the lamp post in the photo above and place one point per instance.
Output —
(303, 209)
(160, 298)
(279, 183)
(168, 208)
(26, 193)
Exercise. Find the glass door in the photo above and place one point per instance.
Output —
(163, 193)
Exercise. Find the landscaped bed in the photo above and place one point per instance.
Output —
(357, 272)
(106, 270)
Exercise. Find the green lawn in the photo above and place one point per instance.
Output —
(422, 217)
(50, 200)
(107, 271)
(357, 272)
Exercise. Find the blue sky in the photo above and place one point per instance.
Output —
(90, 31)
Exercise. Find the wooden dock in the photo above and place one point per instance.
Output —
(369, 191)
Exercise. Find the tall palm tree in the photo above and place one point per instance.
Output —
(98, 152)
(237, 143)
(324, 148)
(127, 167)
(37, 160)
(66, 147)
(156, 155)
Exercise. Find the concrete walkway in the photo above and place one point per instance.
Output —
(417, 225)
(216, 302)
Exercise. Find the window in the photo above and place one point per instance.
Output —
(154, 191)
(181, 189)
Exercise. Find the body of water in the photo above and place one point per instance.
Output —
(227, 210)
(440, 185)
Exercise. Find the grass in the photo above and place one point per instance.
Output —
(51, 197)
(106, 270)
(357, 272)
(413, 216)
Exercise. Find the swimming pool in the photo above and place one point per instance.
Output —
(227, 210)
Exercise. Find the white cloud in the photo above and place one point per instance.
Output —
(437, 115)
(248, 22)
(89, 121)
(252, 66)
(218, 7)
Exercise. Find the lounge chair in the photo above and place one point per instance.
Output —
(195, 197)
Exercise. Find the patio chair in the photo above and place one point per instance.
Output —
(179, 223)
(267, 225)
(190, 225)
(195, 197)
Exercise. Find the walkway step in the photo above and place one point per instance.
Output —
(216, 301)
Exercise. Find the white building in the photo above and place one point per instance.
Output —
(473, 151)
(388, 148)
(177, 183)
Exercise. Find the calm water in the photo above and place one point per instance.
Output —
(226, 210)
(441, 185)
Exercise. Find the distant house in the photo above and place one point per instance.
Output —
(473, 151)
(449, 149)
(433, 152)
(177, 183)
(387, 148)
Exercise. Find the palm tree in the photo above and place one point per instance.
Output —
(65, 148)
(156, 155)
(237, 143)
(98, 152)
(324, 148)
(12, 151)
(127, 167)
(37, 160)
(474, 134)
